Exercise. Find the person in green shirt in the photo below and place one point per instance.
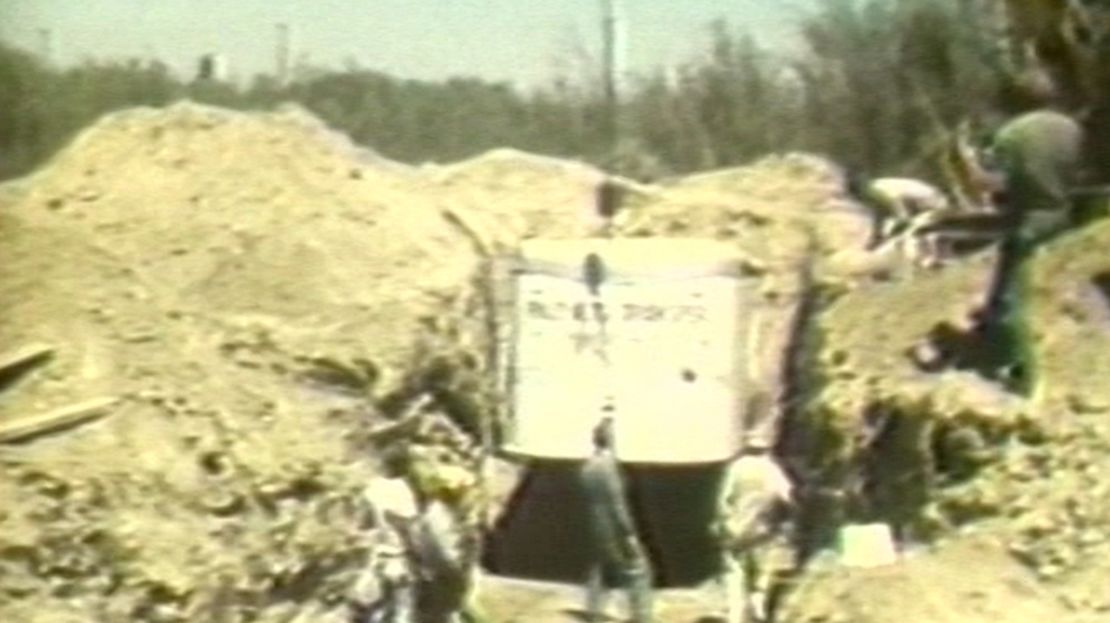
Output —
(1039, 153)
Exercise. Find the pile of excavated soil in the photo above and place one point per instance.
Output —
(964, 456)
(780, 210)
(1051, 488)
(506, 196)
(247, 288)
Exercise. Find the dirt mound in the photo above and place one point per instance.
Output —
(937, 452)
(780, 210)
(1051, 487)
(506, 195)
(249, 289)
(209, 213)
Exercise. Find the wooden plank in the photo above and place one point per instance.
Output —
(56, 420)
(23, 356)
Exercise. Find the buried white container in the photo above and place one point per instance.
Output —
(867, 545)
(648, 331)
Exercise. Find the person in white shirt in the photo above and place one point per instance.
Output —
(753, 496)
(387, 591)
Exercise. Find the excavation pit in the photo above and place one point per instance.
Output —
(542, 534)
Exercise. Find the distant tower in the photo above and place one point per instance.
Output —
(46, 45)
(212, 67)
(283, 53)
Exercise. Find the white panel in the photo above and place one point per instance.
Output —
(666, 360)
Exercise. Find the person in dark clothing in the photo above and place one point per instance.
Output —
(616, 555)
(1039, 153)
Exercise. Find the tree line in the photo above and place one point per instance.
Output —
(876, 85)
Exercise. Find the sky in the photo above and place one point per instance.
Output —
(518, 41)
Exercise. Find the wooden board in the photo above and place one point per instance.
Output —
(23, 429)
(27, 355)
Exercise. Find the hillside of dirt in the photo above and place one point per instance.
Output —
(209, 271)
(244, 297)
(961, 457)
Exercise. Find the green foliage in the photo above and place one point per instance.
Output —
(875, 85)
(21, 118)
(41, 109)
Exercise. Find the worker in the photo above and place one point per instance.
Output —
(442, 475)
(912, 240)
(444, 541)
(753, 497)
(386, 592)
(445, 552)
(610, 194)
(929, 238)
(616, 554)
(895, 202)
(1039, 153)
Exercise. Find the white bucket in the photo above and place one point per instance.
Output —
(867, 545)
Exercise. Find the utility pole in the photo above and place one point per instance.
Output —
(283, 53)
(611, 44)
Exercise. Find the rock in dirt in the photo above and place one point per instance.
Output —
(23, 429)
